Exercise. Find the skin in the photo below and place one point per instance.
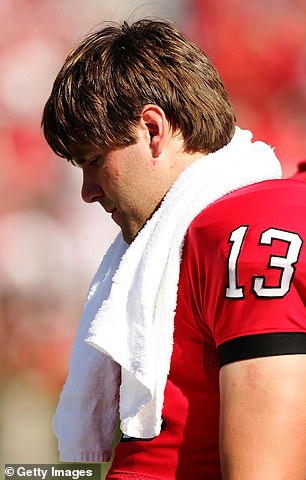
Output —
(263, 419)
(130, 182)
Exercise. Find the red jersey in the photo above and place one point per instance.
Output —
(241, 294)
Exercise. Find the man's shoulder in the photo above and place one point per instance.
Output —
(279, 204)
(270, 199)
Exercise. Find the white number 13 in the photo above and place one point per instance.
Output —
(286, 264)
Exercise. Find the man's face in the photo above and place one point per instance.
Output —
(127, 182)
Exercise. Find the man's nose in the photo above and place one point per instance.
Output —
(91, 191)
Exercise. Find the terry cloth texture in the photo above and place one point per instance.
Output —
(129, 313)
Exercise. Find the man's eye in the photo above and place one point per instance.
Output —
(94, 162)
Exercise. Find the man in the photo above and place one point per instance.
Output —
(197, 311)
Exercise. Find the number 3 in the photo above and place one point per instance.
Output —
(286, 264)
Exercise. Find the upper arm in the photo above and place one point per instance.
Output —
(263, 418)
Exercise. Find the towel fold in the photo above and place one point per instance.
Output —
(129, 313)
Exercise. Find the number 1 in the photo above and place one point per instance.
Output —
(236, 238)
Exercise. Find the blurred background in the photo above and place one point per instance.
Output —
(50, 242)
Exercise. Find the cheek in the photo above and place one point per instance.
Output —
(116, 174)
(112, 175)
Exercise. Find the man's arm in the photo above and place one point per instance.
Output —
(263, 419)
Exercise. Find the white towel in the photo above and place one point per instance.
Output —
(130, 309)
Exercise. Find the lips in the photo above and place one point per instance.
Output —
(115, 216)
(112, 211)
(108, 209)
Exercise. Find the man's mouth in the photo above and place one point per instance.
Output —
(113, 215)
(109, 209)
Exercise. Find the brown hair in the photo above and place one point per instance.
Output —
(105, 82)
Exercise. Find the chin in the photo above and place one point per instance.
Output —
(129, 236)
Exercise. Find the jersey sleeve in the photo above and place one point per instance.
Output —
(247, 264)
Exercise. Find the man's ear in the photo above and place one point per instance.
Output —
(154, 121)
